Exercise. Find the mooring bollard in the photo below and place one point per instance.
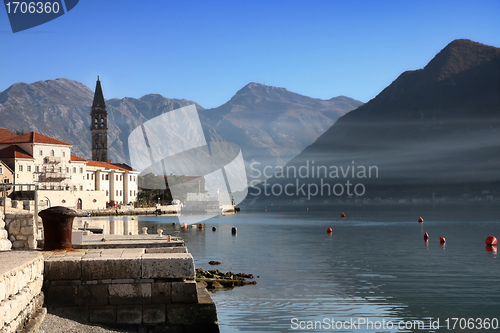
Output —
(160, 233)
(57, 227)
(144, 230)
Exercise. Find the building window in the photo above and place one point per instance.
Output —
(107, 193)
(88, 177)
(44, 169)
(81, 188)
(20, 168)
(121, 193)
(121, 177)
(64, 154)
(81, 170)
(107, 177)
(37, 169)
(60, 169)
(41, 152)
(92, 176)
(28, 168)
(67, 169)
(52, 153)
(1, 171)
(116, 177)
(74, 169)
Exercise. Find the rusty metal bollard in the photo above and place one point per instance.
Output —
(57, 227)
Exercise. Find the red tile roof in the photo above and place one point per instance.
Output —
(34, 137)
(14, 152)
(104, 165)
(6, 134)
(76, 158)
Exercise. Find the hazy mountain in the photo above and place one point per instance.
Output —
(435, 129)
(58, 108)
(272, 125)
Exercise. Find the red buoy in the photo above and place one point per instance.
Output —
(426, 236)
(184, 225)
(342, 215)
(329, 230)
(420, 219)
(265, 210)
(491, 240)
(442, 240)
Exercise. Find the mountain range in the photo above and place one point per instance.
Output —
(432, 132)
(270, 124)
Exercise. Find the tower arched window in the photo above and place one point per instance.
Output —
(52, 153)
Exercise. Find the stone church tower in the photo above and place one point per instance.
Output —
(99, 126)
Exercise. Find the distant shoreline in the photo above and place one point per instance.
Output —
(162, 210)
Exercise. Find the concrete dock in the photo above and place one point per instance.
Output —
(117, 283)
(129, 287)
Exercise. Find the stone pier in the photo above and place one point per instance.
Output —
(140, 282)
(153, 288)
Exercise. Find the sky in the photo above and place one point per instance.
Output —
(206, 51)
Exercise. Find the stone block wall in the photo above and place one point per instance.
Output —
(5, 243)
(22, 230)
(120, 287)
(21, 297)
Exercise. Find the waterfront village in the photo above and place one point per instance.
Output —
(63, 179)
(54, 273)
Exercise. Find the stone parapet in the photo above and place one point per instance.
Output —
(21, 279)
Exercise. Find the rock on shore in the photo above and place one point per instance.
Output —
(215, 279)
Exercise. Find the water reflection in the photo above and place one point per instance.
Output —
(371, 266)
(111, 225)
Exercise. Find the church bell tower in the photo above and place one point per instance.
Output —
(99, 126)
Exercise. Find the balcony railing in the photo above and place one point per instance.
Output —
(53, 176)
(52, 160)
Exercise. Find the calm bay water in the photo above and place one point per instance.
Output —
(375, 265)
